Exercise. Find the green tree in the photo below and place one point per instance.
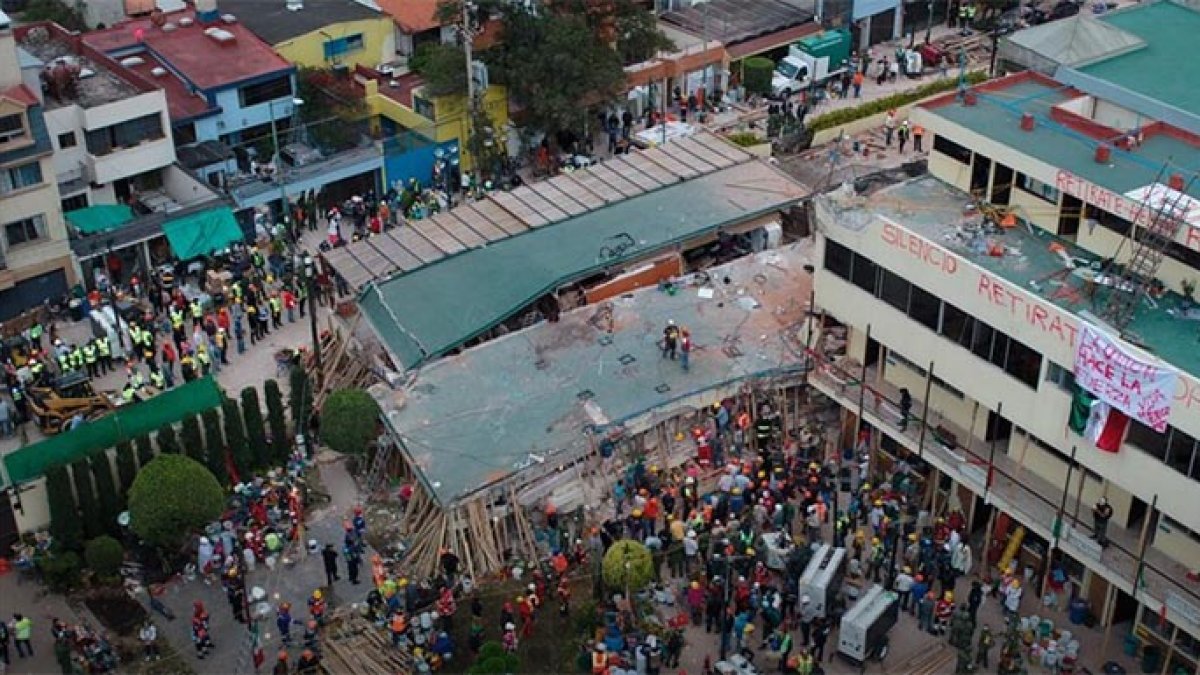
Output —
(443, 67)
(167, 440)
(104, 556)
(172, 496)
(756, 73)
(299, 398)
(638, 35)
(145, 450)
(493, 660)
(126, 469)
(107, 496)
(191, 439)
(235, 438)
(348, 421)
(214, 446)
(333, 110)
(85, 498)
(628, 564)
(65, 526)
(277, 423)
(69, 16)
(555, 65)
(256, 428)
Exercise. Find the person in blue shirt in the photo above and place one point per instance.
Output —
(919, 590)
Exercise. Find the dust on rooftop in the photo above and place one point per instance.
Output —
(70, 78)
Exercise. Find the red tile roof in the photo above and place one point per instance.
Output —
(205, 62)
(20, 94)
(413, 16)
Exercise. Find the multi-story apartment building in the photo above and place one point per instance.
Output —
(35, 259)
(1000, 329)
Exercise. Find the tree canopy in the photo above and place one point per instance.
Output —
(443, 67)
(171, 496)
(348, 421)
(628, 564)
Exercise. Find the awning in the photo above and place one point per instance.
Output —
(202, 233)
(99, 218)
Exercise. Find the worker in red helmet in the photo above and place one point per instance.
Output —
(281, 664)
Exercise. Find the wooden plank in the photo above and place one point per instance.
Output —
(622, 184)
(478, 221)
(591, 180)
(345, 265)
(569, 185)
(397, 255)
(500, 217)
(641, 172)
(692, 147)
(431, 229)
(530, 197)
(519, 209)
(680, 154)
(418, 245)
(727, 150)
(550, 192)
(662, 158)
(460, 231)
(373, 259)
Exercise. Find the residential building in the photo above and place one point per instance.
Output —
(992, 329)
(416, 23)
(320, 33)
(35, 259)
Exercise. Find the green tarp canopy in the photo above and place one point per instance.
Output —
(99, 218)
(129, 422)
(203, 232)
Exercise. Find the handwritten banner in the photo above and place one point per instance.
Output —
(1132, 206)
(1139, 389)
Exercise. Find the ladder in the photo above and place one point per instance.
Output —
(1150, 244)
(379, 466)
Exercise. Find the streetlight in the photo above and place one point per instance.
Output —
(310, 278)
(278, 158)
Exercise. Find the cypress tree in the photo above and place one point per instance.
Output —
(235, 438)
(85, 498)
(65, 526)
(106, 492)
(214, 446)
(256, 428)
(126, 469)
(145, 450)
(191, 439)
(280, 441)
(167, 440)
(299, 398)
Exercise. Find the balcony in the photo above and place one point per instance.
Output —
(1030, 499)
(248, 190)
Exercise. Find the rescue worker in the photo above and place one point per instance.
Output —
(156, 379)
(309, 663)
(281, 664)
(197, 311)
(89, 359)
(276, 305)
(76, 358)
(103, 355)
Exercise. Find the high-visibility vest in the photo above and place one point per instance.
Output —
(197, 310)
(157, 379)
(35, 332)
(17, 395)
(77, 357)
(89, 354)
(275, 304)
(127, 393)
(202, 357)
(64, 362)
(176, 318)
(102, 346)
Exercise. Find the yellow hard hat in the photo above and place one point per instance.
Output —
(317, 594)
(949, 596)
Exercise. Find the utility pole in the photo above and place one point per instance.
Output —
(468, 37)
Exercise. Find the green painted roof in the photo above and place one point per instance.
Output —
(436, 308)
(1167, 68)
(202, 233)
(127, 423)
(99, 218)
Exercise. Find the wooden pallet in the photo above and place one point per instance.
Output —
(932, 661)
(354, 645)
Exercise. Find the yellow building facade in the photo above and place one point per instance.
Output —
(364, 42)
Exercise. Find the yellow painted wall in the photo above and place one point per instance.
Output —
(379, 44)
(1174, 541)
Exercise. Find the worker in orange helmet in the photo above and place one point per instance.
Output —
(281, 664)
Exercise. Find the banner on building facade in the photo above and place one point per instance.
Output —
(1140, 389)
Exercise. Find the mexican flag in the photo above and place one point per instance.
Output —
(1097, 421)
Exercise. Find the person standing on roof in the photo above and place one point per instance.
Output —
(685, 347)
(670, 340)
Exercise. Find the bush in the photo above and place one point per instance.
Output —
(214, 446)
(65, 527)
(172, 496)
(348, 421)
(107, 497)
(628, 564)
(277, 423)
(190, 438)
(838, 118)
(756, 75)
(235, 438)
(493, 660)
(85, 499)
(256, 428)
(61, 570)
(104, 556)
(745, 139)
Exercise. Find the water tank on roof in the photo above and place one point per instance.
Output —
(206, 11)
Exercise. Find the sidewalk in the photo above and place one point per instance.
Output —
(31, 599)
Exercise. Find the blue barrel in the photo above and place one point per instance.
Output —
(1078, 612)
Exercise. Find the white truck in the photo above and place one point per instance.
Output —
(812, 60)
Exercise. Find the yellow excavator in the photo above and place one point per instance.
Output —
(55, 406)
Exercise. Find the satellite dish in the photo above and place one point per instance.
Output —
(123, 519)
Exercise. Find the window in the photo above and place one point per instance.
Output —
(1037, 188)
(864, 273)
(1108, 220)
(25, 231)
(127, 134)
(12, 127)
(924, 308)
(1180, 450)
(67, 140)
(981, 341)
(424, 107)
(837, 258)
(20, 177)
(951, 149)
(1148, 440)
(1063, 378)
(894, 291)
(79, 201)
(261, 92)
(338, 46)
(1000, 343)
(956, 325)
(1023, 363)
(899, 358)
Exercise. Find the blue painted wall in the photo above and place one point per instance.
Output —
(408, 155)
